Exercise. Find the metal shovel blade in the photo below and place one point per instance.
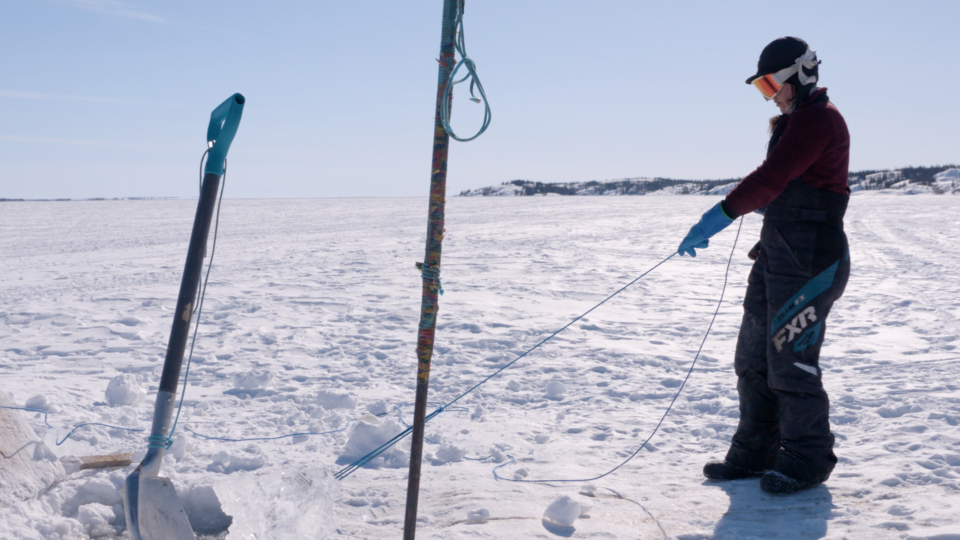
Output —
(153, 510)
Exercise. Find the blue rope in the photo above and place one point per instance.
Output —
(431, 273)
(67, 436)
(209, 438)
(159, 441)
(397, 410)
(44, 413)
(665, 413)
(471, 67)
(349, 469)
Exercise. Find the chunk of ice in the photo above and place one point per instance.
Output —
(564, 510)
(125, 390)
(284, 504)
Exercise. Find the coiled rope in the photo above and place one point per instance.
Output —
(467, 63)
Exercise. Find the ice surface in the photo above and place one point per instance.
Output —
(125, 390)
(323, 295)
(204, 509)
(285, 504)
(564, 510)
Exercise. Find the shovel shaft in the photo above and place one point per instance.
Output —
(189, 285)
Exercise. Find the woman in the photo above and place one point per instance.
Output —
(802, 265)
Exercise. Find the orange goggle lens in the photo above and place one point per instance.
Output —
(767, 86)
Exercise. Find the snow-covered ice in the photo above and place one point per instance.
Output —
(323, 295)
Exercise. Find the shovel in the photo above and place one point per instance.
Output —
(150, 503)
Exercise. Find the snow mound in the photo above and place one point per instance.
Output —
(555, 390)
(252, 380)
(564, 510)
(369, 433)
(250, 459)
(330, 399)
(478, 515)
(450, 453)
(45, 403)
(97, 519)
(28, 466)
(288, 504)
(125, 390)
(378, 407)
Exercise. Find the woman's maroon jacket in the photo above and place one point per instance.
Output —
(815, 146)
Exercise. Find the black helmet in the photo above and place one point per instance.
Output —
(786, 53)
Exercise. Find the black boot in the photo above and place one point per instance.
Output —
(777, 483)
(724, 470)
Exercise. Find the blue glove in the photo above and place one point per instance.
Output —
(712, 222)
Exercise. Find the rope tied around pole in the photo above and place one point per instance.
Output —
(159, 441)
(471, 68)
(430, 273)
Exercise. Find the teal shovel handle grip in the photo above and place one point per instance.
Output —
(224, 121)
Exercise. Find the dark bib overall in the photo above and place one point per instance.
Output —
(802, 268)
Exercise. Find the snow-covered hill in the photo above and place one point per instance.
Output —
(909, 180)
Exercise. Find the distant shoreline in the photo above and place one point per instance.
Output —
(939, 179)
(3, 199)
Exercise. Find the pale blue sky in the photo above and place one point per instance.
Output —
(102, 98)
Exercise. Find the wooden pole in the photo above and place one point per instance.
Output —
(431, 268)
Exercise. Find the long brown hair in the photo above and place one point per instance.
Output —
(773, 123)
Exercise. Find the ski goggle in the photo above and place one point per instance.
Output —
(771, 84)
(768, 86)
